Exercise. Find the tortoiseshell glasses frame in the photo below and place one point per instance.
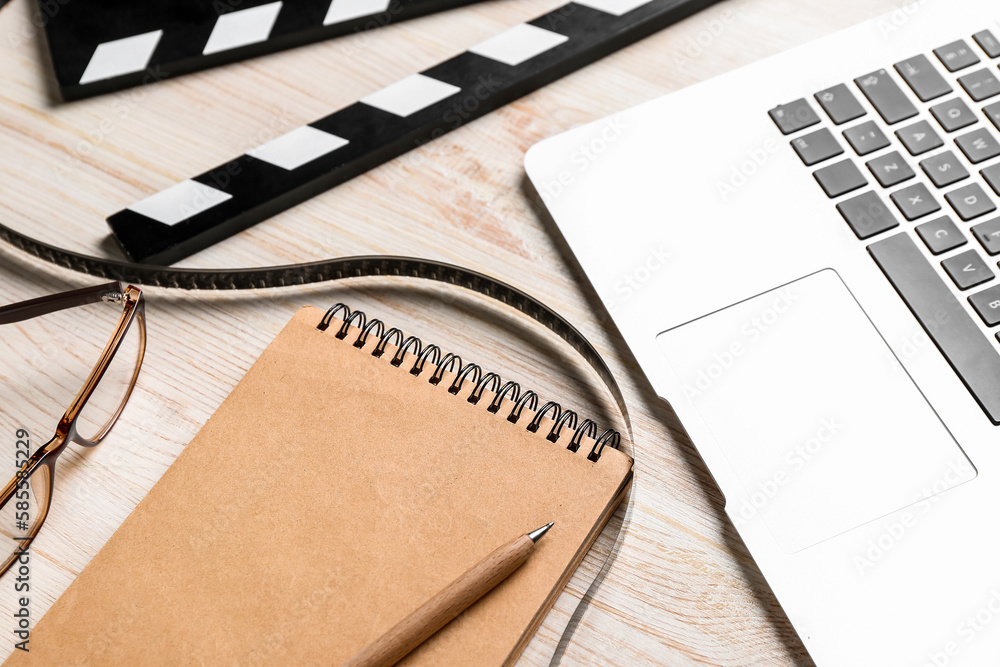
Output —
(40, 465)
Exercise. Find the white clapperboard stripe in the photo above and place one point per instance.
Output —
(101, 47)
(288, 170)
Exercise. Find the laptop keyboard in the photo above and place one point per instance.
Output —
(901, 179)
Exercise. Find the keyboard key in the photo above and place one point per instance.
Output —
(930, 300)
(890, 169)
(919, 138)
(988, 43)
(987, 304)
(816, 146)
(867, 215)
(992, 176)
(923, 78)
(840, 178)
(866, 138)
(980, 85)
(886, 96)
(978, 145)
(940, 235)
(839, 104)
(988, 234)
(956, 56)
(993, 113)
(944, 169)
(967, 269)
(793, 116)
(915, 201)
(953, 114)
(970, 202)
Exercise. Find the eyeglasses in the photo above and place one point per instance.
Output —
(25, 500)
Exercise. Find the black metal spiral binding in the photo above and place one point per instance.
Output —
(471, 372)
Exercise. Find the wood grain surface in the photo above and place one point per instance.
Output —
(683, 589)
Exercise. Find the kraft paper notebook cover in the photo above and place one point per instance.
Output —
(330, 495)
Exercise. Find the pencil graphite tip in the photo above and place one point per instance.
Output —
(535, 535)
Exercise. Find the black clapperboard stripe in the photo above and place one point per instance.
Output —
(107, 45)
(199, 212)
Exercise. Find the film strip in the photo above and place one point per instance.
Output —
(326, 270)
(196, 213)
(99, 47)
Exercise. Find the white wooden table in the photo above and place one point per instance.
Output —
(683, 589)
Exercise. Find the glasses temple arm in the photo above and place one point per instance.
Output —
(25, 310)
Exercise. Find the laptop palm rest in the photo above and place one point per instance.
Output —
(844, 436)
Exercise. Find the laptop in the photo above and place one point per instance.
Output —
(802, 255)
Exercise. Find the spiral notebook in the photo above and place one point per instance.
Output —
(348, 477)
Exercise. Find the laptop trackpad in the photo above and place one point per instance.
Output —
(821, 423)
